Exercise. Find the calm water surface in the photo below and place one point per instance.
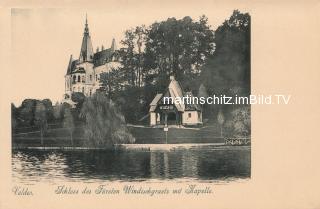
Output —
(192, 163)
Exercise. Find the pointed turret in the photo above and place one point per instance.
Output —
(69, 69)
(113, 45)
(86, 53)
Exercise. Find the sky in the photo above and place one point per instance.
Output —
(42, 40)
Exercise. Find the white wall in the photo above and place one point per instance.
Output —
(191, 118)
(153, 119)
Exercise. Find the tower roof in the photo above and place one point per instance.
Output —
(69, 69)
(86, 52)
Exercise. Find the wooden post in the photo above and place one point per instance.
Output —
(166, 129)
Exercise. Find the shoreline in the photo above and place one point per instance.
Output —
(146, 147)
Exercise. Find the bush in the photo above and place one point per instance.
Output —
(239, 125)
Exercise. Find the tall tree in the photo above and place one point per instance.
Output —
(179, 47)
(111, 82)
(132, 55)
(227, 71)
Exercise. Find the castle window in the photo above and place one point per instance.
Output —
(96, 77)
(82, 89)
(78, 78)
(74, 79)
(189, 115)
(90, 77)
(83, 79)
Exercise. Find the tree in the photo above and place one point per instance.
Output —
(104, 124)
(26, 112)
(239, 125)
(179, 47)
(78, 98)
(49, 109)
(132, 55)
(229, 66)
(220, 118)
(111, 82)
(14, 117)
(57, 111)
(41, 118)
(68, 122)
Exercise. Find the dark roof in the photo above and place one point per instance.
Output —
(99, 58)
(71, 67)
(102, 57)
(86, 52)
(79, 70)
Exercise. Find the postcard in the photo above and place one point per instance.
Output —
(176, 104)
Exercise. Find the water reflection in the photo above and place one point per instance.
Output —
(202, 163)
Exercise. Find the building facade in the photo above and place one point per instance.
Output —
(83, 74)
(163, 113)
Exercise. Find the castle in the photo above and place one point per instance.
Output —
(83, 74)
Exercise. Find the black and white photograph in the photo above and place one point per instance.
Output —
(183, 104)
(146, 99)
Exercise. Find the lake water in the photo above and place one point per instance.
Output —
(196, 163)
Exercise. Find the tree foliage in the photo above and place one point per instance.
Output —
(68, 122)
(240, 122)
(104, 124)
(227, 71)
(178, 47)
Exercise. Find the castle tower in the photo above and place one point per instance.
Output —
(86, 52)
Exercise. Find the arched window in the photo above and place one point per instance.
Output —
(74, 79)
(78, 78)
(96, 77)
